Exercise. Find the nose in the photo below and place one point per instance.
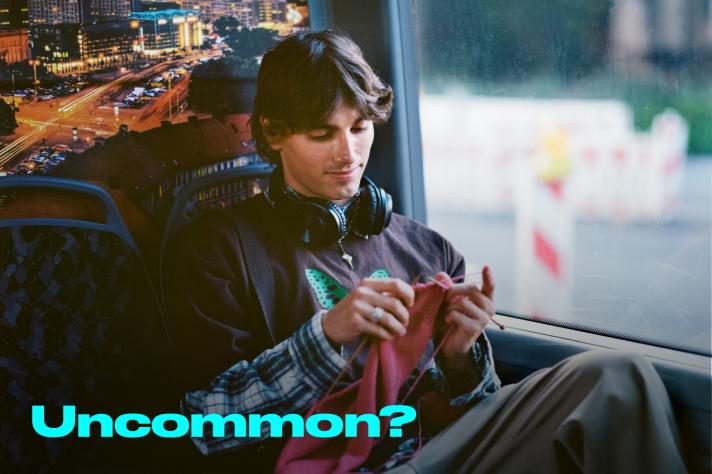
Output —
(346, 148)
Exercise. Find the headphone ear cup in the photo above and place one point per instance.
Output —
(312, 221)
(318, 223)
(370, 213)
(377, 208)
(387, 210)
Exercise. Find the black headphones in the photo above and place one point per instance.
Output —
(319, 221)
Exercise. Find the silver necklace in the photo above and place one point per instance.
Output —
(350, 212)
(345, 256)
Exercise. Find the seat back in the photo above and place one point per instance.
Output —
(81, 325)
(217, 190)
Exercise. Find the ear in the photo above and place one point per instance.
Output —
(273, 141)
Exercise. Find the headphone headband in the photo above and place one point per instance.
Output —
(319, 221)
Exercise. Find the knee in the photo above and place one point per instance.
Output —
(600, 363)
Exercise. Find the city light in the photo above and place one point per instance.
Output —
(66, 44)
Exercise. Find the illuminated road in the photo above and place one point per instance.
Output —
(24, 142)
(55, 124)
(93, 94)
(92, 113)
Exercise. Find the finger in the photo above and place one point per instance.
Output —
(444, 278)
(488, 282)
(373, 329)
(388, 303)
(471, 310)
(464, 324)
(481, 301)
(470, 290)
(390, 323)
(462, 289)
(395, 286)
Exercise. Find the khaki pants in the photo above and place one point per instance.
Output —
(595, 412)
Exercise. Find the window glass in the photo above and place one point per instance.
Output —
(568, 144)
(140, 101)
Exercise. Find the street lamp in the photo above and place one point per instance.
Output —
(35, 63)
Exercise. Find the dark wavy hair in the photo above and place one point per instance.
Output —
(302, 79)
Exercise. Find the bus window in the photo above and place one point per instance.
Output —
(568, 144)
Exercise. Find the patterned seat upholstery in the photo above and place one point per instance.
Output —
(79, 325)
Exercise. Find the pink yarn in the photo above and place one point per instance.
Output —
(388, 365)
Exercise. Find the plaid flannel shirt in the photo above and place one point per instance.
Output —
(297, 372)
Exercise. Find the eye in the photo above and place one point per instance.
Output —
(319, 135)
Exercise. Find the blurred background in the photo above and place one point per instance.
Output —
(568, 144)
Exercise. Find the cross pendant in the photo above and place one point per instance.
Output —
(349, 259)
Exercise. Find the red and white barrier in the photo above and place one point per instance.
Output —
(545, 225)
(474, 146)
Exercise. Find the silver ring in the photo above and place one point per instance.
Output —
(377, 314)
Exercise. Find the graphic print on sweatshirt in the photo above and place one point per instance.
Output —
(329, 291)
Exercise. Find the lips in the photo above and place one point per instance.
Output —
(342, 174)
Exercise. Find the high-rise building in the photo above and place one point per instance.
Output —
(167, 30)
(271, 11)
(245, 12)
(67, 48)
(110, 10)
(108, 44)
(14, 45)
(248, 12)
(56, 12)
(79, 35)
(14, 14)
(56, 46)
(156, 5)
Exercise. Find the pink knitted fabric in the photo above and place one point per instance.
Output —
(388, 365)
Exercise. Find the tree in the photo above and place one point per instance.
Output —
(226, 26)
(250, 43)
(24, 74)
(228, 84)
(223, 85)
(491, 40)
(8, 124)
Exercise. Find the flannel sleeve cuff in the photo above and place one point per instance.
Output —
(480, 372)
(315, 358)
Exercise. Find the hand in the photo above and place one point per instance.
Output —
(352, 316)
(469, 309)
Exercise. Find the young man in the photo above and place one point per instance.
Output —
(341, 261)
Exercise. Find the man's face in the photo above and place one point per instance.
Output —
(327, 162)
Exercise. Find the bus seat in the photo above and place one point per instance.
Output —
(81, 325)
(217, 190)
